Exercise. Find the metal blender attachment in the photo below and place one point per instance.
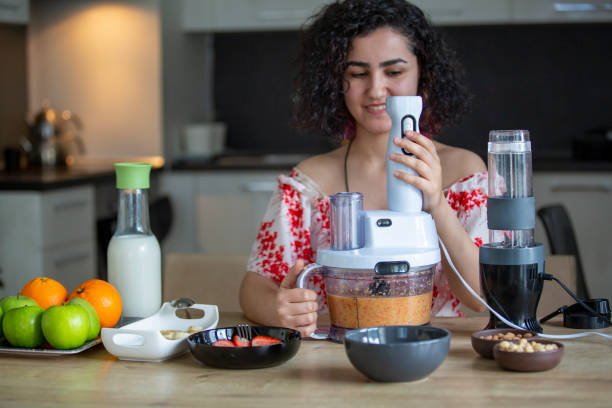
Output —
(511, 265)
(379, 268)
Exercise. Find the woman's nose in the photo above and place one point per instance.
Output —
(378, 87)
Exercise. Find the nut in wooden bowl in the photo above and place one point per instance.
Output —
(483, 341)
(528, 355)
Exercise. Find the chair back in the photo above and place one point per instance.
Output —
(207, 279)
(562, 267)
(562, 240)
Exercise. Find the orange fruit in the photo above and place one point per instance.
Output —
(103, 297)
(46, 292)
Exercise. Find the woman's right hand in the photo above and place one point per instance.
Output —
(296, 308)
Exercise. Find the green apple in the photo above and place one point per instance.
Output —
(94, 321)
(65, 327)
(10, 302)
(22, 326)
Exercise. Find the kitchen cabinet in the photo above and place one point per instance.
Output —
(14, 11)
(251, 15)
(217, 212)
(588, 200)
(50, 233)
(462, 12)
(246, 15)
(551, 11)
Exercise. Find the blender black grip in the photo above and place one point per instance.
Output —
(403, 130)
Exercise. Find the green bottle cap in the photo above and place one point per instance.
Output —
(132, 175)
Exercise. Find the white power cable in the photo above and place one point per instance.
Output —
(509, 323)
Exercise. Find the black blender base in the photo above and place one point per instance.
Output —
(530, 324)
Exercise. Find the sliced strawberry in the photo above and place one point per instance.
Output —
(264, 341)
(223, 343)
(241, 342)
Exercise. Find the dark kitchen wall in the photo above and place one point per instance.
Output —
(254, 75)
(554, 80)
(13, 88)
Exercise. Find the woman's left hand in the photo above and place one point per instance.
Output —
(426, 163)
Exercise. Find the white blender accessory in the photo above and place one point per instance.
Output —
(396, 241)
(404, 112)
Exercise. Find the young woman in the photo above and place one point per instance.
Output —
(353, 56)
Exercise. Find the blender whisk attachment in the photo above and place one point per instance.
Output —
(511, 265)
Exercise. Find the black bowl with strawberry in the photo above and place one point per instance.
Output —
(223, 348)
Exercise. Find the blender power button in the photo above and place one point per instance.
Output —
(383, 222)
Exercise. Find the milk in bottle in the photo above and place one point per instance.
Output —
(134, 256)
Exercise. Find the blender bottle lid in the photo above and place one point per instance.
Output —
(132, 175)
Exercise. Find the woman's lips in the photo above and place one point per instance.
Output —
(376, 109)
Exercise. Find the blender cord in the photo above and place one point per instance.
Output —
(589, 309)
(503, 319)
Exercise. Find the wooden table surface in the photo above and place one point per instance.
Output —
(319, 375)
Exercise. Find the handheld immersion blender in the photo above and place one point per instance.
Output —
(404, 112)
(511, 264)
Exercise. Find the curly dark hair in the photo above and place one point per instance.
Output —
(319, 100)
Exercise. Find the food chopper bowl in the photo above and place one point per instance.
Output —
(359, 298)
(397, 353)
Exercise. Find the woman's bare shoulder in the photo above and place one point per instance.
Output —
(458, 163)
(325, 169)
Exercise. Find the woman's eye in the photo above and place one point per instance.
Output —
(357, 74)
(394, 73)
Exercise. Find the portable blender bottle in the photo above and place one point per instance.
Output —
(134, 256)
(379, 268)
(511, 264)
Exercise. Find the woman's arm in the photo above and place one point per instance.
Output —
(284, 305)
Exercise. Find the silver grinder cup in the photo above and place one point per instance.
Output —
(346, 216)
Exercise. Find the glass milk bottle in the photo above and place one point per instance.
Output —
(134, 256)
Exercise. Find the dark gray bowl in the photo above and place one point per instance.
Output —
(397, 353)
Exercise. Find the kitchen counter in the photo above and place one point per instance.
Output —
(319, 375)
(240, 162)
(83, 172)
(288, 161)
(571, 165)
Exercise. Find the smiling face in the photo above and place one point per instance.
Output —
(378, 65)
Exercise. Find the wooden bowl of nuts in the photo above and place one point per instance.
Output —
(483, 341)
(528, 355)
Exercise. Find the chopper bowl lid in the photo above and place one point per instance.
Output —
(367, 258)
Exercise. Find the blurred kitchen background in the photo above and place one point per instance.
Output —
(202, 90)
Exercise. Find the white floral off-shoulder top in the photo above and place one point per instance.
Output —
(296, 225)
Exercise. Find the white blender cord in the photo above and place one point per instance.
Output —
(509, 323)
